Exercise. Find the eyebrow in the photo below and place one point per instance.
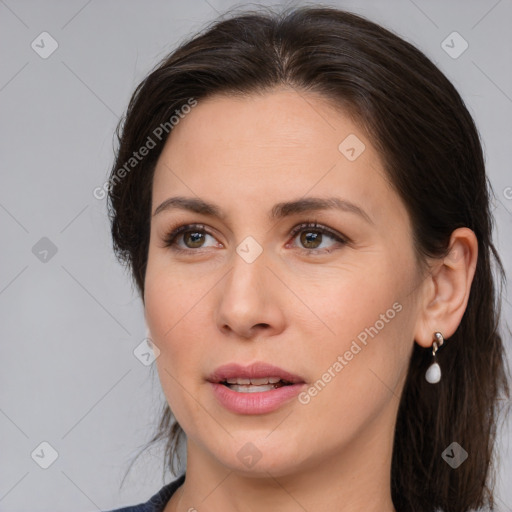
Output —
(279, 211)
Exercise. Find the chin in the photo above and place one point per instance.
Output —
(260, 458)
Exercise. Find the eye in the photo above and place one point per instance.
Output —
(312, 235)
(193, 235)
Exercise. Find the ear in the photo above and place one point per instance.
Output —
(446, 289)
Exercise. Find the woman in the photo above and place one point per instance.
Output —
(312, 245)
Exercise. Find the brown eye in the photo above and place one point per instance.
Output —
(191, 235)
(312, 236)
(193, 239)
(310, 239)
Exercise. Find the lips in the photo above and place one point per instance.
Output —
(256, 373)
(260, 388)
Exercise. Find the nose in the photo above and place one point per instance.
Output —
(250, 300)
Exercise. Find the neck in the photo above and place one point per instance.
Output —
(354, 478)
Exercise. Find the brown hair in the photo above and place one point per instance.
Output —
(432, 154)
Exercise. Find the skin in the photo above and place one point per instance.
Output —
(293, 309)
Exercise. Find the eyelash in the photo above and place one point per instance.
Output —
(170, 238)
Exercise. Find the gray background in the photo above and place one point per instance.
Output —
(69, 324)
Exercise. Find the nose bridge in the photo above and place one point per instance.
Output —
(246, 297)
(245, 281)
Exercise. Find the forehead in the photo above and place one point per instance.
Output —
(272, 146)
(277, 119)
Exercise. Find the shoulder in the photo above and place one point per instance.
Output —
(158, 501)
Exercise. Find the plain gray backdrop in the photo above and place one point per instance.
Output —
(70, 318)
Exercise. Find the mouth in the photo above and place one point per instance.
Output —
(256, 378)
(260, 388)
(255, 385)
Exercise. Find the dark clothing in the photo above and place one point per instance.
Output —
(157, 502)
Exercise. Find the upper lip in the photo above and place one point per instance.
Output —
(256, 371)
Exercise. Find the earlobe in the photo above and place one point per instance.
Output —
(447, 290)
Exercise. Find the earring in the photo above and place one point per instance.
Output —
(433, 375)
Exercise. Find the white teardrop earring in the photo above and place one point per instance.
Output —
(433, 375)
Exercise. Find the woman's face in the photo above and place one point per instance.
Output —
(336, 309)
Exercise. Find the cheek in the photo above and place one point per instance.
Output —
(350, 298)
(175, 316)
(169, 311)
(166, 317)
(365, 352)
(170, 299)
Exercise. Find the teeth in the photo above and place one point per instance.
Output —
(238, 381)
(256, 382)
(252, 389)
(265, 380)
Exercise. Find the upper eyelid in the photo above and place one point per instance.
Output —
(318, 226)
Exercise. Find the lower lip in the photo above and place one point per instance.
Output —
(255, 403)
